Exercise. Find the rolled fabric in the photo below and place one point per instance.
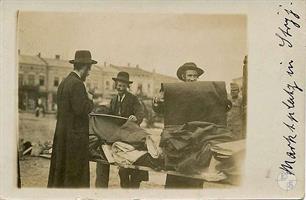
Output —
(204, 101)
(105, 126)
(110, 129)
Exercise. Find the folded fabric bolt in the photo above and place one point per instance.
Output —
(125, 154)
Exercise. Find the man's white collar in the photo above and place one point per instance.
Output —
(77, 73)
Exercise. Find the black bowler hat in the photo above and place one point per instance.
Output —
(124, 77)
(83, 56)
(188, 66)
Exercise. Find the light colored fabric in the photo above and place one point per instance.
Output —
(107, 149)
(229, 148)
(152, 147)
(125, 154)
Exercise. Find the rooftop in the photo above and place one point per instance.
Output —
(132, 70)
(26, 59)
(57, 62)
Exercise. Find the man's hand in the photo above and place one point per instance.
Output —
(159, 98)
(132, 118)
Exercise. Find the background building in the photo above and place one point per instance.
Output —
(40, 77)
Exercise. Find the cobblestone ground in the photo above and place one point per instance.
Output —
(35, 170)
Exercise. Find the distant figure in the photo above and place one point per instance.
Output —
(234, 117)
(39, 108)
(69, 166)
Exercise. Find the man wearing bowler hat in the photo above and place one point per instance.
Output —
(69, 166)
(127, 105)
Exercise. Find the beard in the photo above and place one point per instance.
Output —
(83, 77)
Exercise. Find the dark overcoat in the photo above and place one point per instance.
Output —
(69, 166)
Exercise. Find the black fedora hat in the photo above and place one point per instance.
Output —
(124, 77)
(83, 56)
(188, 66)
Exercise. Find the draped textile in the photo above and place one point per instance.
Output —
(187, 147)
(196, 101)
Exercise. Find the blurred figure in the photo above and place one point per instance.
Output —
(234, 117)
(40, 108)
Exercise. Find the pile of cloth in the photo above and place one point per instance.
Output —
(195, 117)
(127, 142)
(230, 157)
(187, 148)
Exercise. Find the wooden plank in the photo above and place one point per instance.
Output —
(106, 115)
(206, 175)
(27, 150)
(212, 177)
(48, 156)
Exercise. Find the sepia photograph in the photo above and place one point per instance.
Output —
(131, 100)
(152, 99)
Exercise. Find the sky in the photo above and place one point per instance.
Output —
(216, 43)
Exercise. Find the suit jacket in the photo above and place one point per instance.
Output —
(70, 161)
(129, 106)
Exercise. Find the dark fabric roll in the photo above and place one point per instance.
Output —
(204, 101)
(112, 129)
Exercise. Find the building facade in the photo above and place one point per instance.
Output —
(40, 77)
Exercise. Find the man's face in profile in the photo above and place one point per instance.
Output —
(84, 72)
(234, 93)
(121, 87)
(191, 76)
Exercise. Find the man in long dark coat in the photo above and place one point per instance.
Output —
(69, 166)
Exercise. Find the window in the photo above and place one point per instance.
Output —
(31, 79)
(20, 79)
(107, 85)
(56, 81)
(41, 80)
